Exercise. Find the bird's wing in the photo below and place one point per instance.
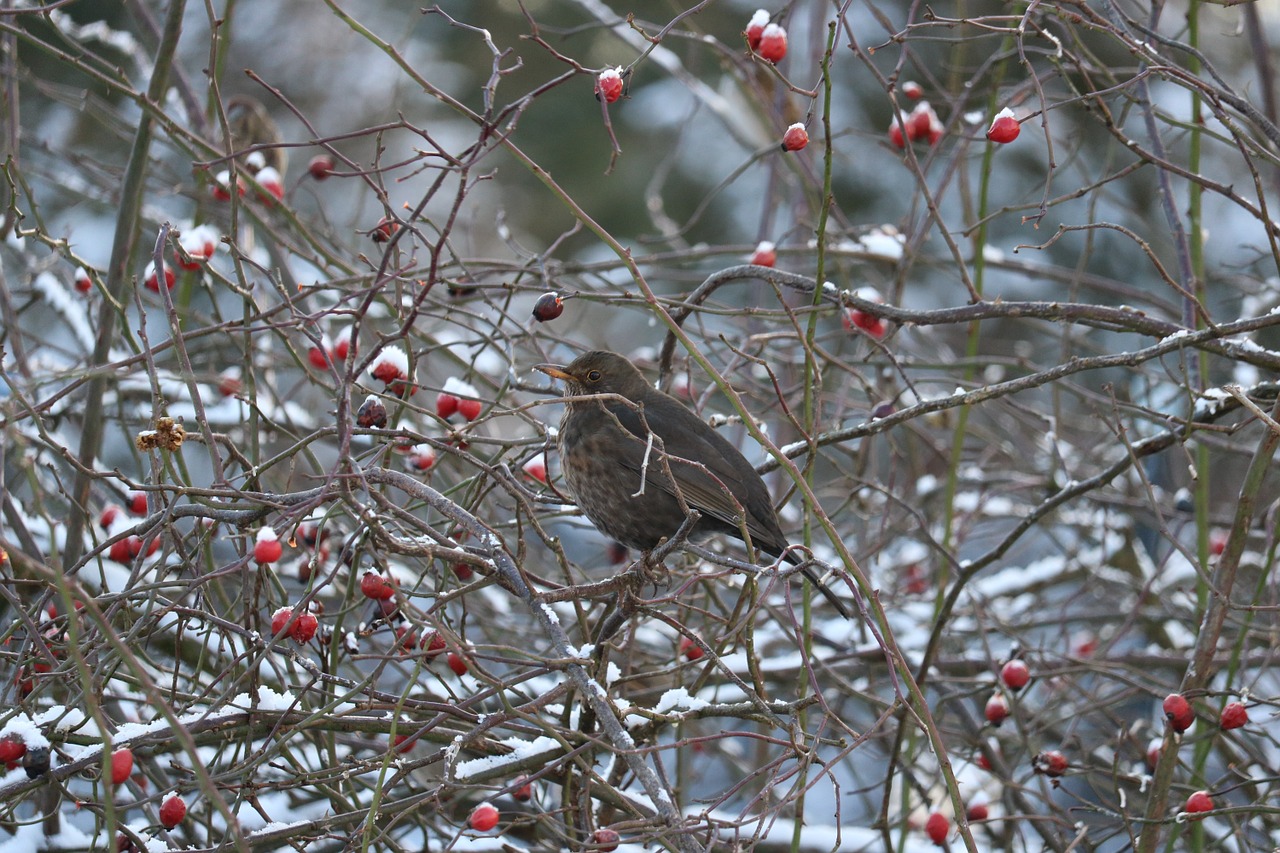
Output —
(703, 487)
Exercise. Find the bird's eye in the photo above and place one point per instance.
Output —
(593, 376)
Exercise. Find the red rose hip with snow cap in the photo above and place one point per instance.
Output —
(1004, 127)
(280, 619)
(913, 90)
(765, 255)
(172, 811)
(320, 167)
(773, 43)
(484, 817)
(609, 85)
(1178, 711)
(267, 547)
(795, 138)
(605, 839)
(755, 28)
(1050, 763)
(371, 414)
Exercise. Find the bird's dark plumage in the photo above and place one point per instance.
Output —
(603, 445)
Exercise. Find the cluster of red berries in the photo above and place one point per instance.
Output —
(330, 351)
(766, 39)
(458, 398)
(301, 628)
(268, 179)
(921, 124)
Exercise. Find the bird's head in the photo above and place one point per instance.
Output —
(599, 372)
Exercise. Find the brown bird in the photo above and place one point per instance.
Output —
(603, 448)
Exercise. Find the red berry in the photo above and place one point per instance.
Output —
(422, 458)
(1198, 802)
(121, 765)
(304, 628)
(916, 581)
(446, 405)
(997, 709)
(172, 811)
(222, 186)
(484, 817)
(536, 468)
(522, 790)
(152, 283)
(12, 749)
(1154, 749)
(267, 548)
(690, 649)
(984, 763)
(433, 644)
(895, 134)
(384, 230)
(110, 513)
(137, 503)
(279, 619)
(920, 121)
(869, 323)
(119, 552)
(795, 138)
(375, 586)
(773, 43)
(406, 639)
(937, 827)
(371, 414)
(755, 28)
(469, 409)
(1178, 711)
(605, 840)
(83, 283)
(271, 182)
(457, 664)
(548, 307)
(318, 359)
(404, 743)
(1050, 763)
(463, 571)
(342, 344)
(1234, 715)
(1015, 674)
(609, 85)
(1004, 127)
(765, 255)
(913, 90)
(387, 371)
(977, 811)
(320, 167)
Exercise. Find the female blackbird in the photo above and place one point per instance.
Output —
(604, 445)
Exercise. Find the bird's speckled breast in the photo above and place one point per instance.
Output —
(590, 460)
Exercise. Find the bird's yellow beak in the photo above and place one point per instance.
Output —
(555, 371)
